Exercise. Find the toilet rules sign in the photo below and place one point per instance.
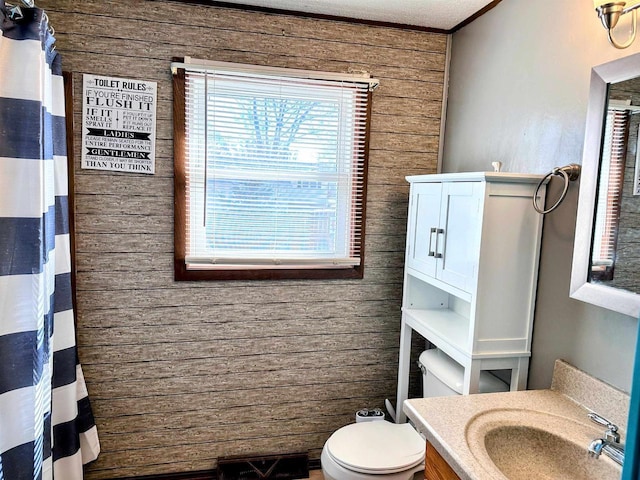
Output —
(118, 124)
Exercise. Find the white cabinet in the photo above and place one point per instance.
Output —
(473, 243)
(443, 234)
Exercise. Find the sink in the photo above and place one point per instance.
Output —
(517, 451)
(518, 444)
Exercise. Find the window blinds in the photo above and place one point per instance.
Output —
(614, 151)
(275, 169)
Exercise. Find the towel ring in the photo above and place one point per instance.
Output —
(569, 173)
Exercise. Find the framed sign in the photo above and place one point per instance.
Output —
(118, 124)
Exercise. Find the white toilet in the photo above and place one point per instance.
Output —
(382, 450)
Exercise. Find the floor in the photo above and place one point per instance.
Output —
(315, 475)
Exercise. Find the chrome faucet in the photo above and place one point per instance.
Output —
(609, 445)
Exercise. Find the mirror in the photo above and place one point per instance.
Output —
(615, 250)
(606, 257)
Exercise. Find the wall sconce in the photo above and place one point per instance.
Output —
(610, 12)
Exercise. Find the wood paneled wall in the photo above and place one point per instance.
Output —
(180, 374)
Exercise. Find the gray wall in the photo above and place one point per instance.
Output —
(181, 374)
(518, 94)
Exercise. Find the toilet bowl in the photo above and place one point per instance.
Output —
(388, 451)
(373, 450)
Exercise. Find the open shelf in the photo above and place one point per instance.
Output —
(443, 327)
(437, 284)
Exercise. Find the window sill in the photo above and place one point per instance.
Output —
(184, 274)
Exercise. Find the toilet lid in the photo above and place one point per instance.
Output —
(376, 447)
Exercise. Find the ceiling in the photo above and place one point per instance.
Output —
(444, 15)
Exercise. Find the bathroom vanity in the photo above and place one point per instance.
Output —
(521, 435)
(436, 467)
(473, 243)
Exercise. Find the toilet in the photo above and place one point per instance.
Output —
(381, 450)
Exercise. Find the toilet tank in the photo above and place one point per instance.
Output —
(442, 376)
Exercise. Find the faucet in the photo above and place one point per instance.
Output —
(609, 445)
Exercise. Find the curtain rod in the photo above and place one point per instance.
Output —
(209, 65)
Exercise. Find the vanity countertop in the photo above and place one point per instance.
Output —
(445, 420)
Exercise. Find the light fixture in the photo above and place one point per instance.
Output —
(610, 12)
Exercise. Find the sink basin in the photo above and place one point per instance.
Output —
(524, 444)
(517, 451)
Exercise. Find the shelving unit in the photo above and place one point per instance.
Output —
(473, 244)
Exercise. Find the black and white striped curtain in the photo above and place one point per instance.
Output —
(47, 428)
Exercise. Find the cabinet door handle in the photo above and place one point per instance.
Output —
(439, 231)
(433, 230)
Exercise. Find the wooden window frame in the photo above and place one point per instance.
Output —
(182, 273)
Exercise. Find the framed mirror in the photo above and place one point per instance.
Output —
(606, 255)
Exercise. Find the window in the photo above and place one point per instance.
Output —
(270, 172)
(611, 177)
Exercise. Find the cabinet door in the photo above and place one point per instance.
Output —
(436, 467)
(459, 234)
(424, 218)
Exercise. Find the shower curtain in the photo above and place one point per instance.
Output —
(47, 428)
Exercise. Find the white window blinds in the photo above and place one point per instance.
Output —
(610, 189)
(275, 168)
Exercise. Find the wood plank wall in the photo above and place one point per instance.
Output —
(180, 374)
